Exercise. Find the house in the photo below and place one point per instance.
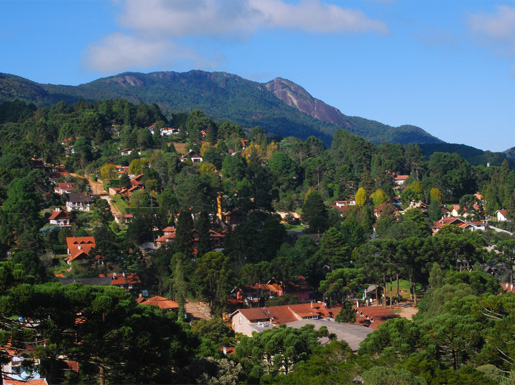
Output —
(507, 287)
(163, 303)
(127, 281)
(78, 248)
(79, 202)
(59, 218)
(64, 188)
(217, 239)
(462, 224)
(127, 218)
(232, 218)
(502, 215)
(168, 236)
(244, 144)
(37, 164)
(126, 151)
(11, 381)
(195, 158)
(455, 211)
(300, 289)
(251, 294)
(137, 180)
(385, 208)
(13, 370)
(399, 180)
(169, 131)
(121, 169)
(247, 321)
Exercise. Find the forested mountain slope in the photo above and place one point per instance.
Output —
(280, 106)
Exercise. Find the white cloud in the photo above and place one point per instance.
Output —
(179, 18)
(315, 16)
(118, 52)
(155, 26)
(497, 29)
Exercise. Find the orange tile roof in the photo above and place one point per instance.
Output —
(79, 245)
(129, 279)
(59, 214)
(508, 287)
(10, 381)
(373, 316)
(162, 302)
(289, 313)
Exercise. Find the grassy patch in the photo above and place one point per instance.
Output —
(120, 204)
(293, 227)
(404, 289)
(181, 148)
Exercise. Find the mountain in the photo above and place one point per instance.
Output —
(279, 106)
(473, 155)
(510, 153)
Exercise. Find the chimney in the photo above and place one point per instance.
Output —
(114, 275)
(123, 274)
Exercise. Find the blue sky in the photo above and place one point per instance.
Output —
(445, 66)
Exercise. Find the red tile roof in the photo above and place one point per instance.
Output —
(373, 316)
(508, 287)
(289, 313)
(79, 245)
(10, 381)
(128, 279)
(59, 214)
(162, 302)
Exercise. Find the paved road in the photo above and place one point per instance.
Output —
(352, 334)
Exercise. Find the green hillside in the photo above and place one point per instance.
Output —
(220, 95)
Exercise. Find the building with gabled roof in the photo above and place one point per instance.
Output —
(247, 321)
(79, 202)
(79, 248)
(502, 215)
(399, 180)
(168, 236)
(195, 158)
(64, 188)
(163, 303)
(59, 218)
(462, 224)
(127, 281)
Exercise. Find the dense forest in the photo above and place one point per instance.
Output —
(287, 208)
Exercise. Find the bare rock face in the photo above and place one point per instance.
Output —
(297, 97)
(127, 81)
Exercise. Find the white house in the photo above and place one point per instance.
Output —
(79, 202)
(59, 218)
(502, 215)
(169, 131)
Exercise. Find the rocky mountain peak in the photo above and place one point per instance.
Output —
(297, 97)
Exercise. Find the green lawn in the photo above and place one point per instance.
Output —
(63, 266)
(293, 227)
(404, 289)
